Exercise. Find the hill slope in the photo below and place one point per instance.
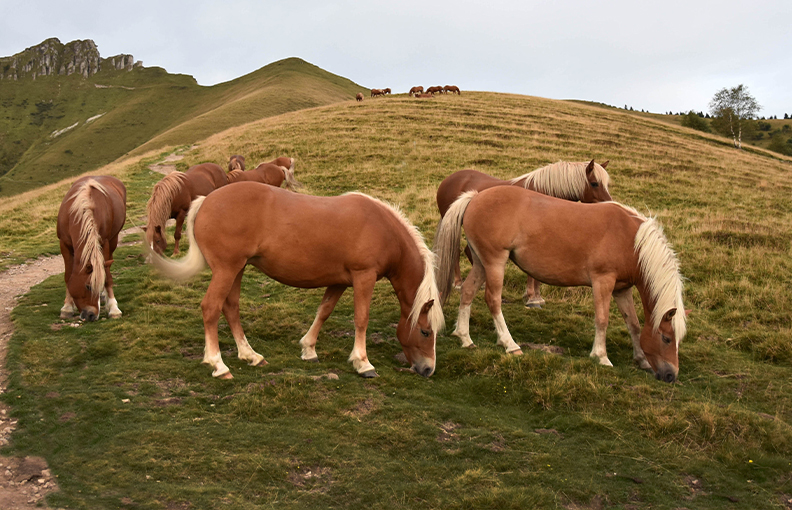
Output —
(487, 430)
(57, 126)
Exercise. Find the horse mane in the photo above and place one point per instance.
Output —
(158, 207)
(82, 211)
(660, 270)
(563, 179)
(427, 289)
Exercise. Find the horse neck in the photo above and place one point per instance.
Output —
(406, 273)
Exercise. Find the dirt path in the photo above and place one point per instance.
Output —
(165, 167)
(24, 482)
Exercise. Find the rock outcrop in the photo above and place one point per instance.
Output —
(52, 57)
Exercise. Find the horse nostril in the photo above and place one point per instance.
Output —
(670, 377)
(427, 371)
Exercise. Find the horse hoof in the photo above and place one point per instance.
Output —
(369, 374)
(227, 375)
(315, 359)
(114, 315)
(471, 346)
(516, 352)
(259, 364)
(66, 315)
(533, 305)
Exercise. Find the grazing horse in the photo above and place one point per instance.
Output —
(452, 89)
(416, 90)
(432, 90)
(608, 247)
(89, 219)
(268, 173)
(586, 182)
(171, 198)
(359, 96)
(236, 163)
(423, 96)
(377, 92)
(386, 91)
(308, 242)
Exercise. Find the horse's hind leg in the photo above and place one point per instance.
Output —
(112, 305)
(178, 233)
(602, 289)
(533, 294)
(470, 287)
(624, 301)
(211, 306)
(363, 286)
(308, 342)
(231, 312)
(493, 297)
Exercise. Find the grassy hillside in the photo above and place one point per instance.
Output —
(145, 105)
(128, 418)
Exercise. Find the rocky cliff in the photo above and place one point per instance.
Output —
(52, 57)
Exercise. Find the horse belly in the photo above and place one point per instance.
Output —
(302, 272)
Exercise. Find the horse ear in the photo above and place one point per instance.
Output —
(144, 228)
(427, 306)
(590, 168)
(158, 229)
(108, 263)
(669, 314)
(687, 312)
(605, 165)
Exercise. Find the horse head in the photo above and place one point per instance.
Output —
(597, 187)
(661, 347)
(236, 163)
(418, 341)
(85, 285)
(155, 238)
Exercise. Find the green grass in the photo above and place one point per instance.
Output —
(283, 436)
(144, 109)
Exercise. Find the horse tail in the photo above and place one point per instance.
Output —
(291, 182)
(447, 240)
(191, 264)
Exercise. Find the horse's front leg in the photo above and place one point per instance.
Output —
(112, 305)
(178, 233)
(602, 289)
(493, 297)
(533, 294)
(624, 300)
(69, 308)
(231, 311)
(308, 342)
(470, 287)
(363, 287)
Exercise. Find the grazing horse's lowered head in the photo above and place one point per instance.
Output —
(236, 163)
(359, 96)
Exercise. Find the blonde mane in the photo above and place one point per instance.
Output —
(82, 211)
(660, 269)
(428, 288)
(563, 179)
(158, 207)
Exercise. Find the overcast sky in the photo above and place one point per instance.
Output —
(659, 56)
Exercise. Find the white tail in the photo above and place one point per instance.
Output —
(447, 240)
(190, 265)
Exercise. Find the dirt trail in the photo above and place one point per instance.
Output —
(24, 482)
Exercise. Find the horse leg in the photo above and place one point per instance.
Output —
(211, 306)
(308, 342)
(177, 234)
(69, 308)
(231, 311)
(470, 287)
(533, 294)
(602, 290)
(624, 301)
(363, 287)
(493, 296)
(112, 305)
(458, 271)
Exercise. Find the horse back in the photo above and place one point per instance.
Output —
(460, 182)
(109, 209)
(204, 178)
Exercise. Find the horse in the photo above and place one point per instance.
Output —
(386, 91)
(572, 181)
(377, 92)
(309, 242)
(423, 96)
(268, 173)
(416, 90)
(359, 96)
(432, 90)
(236, 163)
(452, 89)
(171, 198)
(89, 219)
(607, 246)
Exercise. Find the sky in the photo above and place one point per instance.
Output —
(656, 56)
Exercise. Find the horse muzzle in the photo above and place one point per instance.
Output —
(88, 315)
(423, 369)
(666, 372)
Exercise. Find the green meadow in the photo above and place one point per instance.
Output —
(127, 416)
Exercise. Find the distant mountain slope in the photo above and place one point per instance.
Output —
(55, 124)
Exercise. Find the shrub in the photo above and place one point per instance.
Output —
(692, 120)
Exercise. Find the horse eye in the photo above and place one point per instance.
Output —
(666, 339)
(425, 333)
(88, 288)
(594, 184)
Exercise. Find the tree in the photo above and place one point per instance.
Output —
(734, 107)
(692, 120)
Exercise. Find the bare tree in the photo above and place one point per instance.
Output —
(735, 106)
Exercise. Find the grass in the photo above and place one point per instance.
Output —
(127, 416)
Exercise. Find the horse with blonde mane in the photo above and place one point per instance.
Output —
(306, 241)
(584, 182)
(236, 162)
(268, 173)
(377, 92)
(608, 247)
(89, 219)
(416, 90)
(171, 198)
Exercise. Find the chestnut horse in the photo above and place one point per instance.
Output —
(432, 90)
(268, 173)
(236, 163)
(416, 90)
(359, 96)
(171, 198)
(451, 88)
(386, 91)
(89, 219)
(608, 247)
(586, 182)
(308, 242)
(377, 92)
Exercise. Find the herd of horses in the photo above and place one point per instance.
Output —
(415, 91)
(558, 224)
